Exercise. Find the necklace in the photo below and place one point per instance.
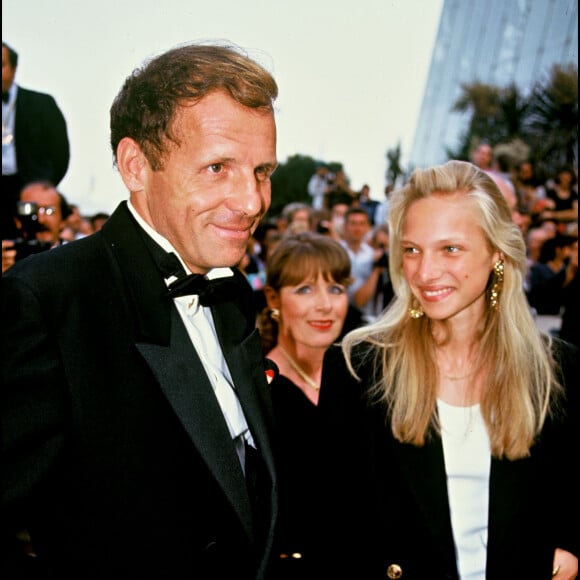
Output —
(311, 382)
(457, 378)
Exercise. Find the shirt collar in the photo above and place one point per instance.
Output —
(167, 246)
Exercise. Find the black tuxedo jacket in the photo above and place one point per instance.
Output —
(40, 138)
(117, 458)
(533, 502)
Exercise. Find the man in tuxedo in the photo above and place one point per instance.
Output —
(136, 427)
(35, 143)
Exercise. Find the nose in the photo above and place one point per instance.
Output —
(323, 301)
(249, 195)
(428, 268)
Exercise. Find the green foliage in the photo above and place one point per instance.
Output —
(546, 121)
(394, 167)
(553, 119)
(290, 181)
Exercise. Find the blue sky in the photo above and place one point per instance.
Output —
(351, 74)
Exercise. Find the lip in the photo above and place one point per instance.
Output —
(233, 232)
(321, 324)
(436, 294)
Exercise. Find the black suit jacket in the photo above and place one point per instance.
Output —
(533, 502)
(40, 138)
(117, 458)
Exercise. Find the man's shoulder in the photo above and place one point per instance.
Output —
(29, 96)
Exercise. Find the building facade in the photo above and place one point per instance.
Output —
(495, 42)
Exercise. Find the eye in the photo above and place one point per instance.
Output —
(452, 249)
(216, 168)
(263, 173)
(410, 250)
(337, 289)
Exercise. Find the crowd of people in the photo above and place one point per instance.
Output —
(355, 388)
(34, 214)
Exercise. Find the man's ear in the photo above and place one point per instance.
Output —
(132, 164)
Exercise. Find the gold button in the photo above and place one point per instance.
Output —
(394, 571)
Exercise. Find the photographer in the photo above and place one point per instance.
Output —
(42, 212)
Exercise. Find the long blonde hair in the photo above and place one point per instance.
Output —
(520, 380)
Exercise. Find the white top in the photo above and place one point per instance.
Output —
(8, 149)
(317, 186)
(200, 327)
(361, 263)
(467, 465)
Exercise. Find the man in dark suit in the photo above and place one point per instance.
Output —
(35, 143)
(136, 427)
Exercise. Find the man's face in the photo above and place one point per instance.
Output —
(7, 71)
(214, 187)
(356, 227)
(50, 220)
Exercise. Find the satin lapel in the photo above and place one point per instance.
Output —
(243, 352)
(242, 349)
(424, 469)
(184, 382)
(142, 279)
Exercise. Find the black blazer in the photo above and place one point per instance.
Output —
(40, 138)
(533, 502)
(117, 458)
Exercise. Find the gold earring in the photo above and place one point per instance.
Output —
(275, 314)
(416, 312)
(497, 284)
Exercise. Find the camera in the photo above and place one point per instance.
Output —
(382, 262)
(322, 227)
(27, 244)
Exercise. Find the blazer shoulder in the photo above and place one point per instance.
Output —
(34, 96)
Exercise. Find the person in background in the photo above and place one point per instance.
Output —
(318, 187)
(562, 199)
(297, 217)
(549, 275)
(569, 327)
(136, 419)
(306, 293)
(379, 240)
(341, 191)
(482, 156)
(369, 205)
(98, 220)
(528, 188)
(475, 410)
(77, 226)
(35, 144)
(335, 225)
(365, 264)
(42, 228)
(382, 211)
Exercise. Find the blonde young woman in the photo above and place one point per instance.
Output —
(481, 417)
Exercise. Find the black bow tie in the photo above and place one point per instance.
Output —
(210, 292)
(5, 97)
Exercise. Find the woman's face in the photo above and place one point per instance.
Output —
(446, 257)
(312, 313)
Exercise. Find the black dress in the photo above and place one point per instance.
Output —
(324, 479)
